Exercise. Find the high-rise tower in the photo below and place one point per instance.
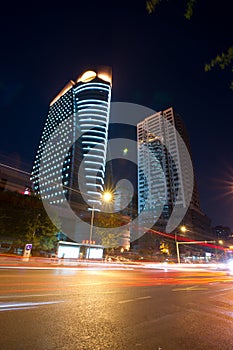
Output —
(158, 140)
(83, 107)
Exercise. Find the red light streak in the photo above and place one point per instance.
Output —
(185, 239)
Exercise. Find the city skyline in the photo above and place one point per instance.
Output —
(157, 62)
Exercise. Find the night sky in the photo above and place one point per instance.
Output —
(157, 61)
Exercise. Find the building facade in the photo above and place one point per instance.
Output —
(164, 174)
(78, 118)
(221, 232)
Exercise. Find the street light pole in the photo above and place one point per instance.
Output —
(182, 229)
(91, 229)
(177, 249)
(194, 242)
(106, 197)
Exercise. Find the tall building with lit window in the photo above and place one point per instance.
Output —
(83, 107)
(162, 159)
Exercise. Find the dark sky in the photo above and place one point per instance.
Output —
(157, 61)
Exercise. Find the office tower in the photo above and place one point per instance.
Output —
(83, 107)
(162, 160)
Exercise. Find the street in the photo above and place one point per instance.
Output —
(125, 308)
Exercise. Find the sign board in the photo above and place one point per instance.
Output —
(27, 250)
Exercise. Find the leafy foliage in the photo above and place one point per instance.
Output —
(189, 9)
(222, 60)
(24, 220)
(164, 247)
(109, 238)
(151, 5)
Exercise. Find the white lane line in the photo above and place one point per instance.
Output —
(29, 304)
(126, 301)
(25, 306)
(25, 296)
(225, 290)
(18, 308)
(189, 288)
(143, 298)
(135, 299)
(28, 295)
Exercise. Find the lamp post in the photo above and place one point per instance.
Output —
(220, 241)
(106, 197)
(182, 229)
(177, 249)
(92, 222)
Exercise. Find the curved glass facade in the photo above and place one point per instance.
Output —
(87, 101)
(93, 101)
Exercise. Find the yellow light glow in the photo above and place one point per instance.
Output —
(220, 241)
(183, 229)
(87, 76)
(107, 196)
(105, 77)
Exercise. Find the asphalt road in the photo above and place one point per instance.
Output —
(125, 309)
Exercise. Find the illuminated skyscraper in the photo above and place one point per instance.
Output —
(83, 107)
(158, 140)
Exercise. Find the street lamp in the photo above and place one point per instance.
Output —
(182, 229)
(106, 197)
(177, 249)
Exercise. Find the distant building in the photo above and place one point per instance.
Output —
(156, 135)
(221, 232)
(14, 180)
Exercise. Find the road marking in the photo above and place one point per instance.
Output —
(135, 299)
(126, 301)
(18, 308)
(225, 290)
(44, 295)
(189, 288)
(28, 295)
(142, 298)
(23, 306)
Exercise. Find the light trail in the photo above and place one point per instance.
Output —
(25, 306)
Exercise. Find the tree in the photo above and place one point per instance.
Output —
(222, 60)
(110, 238)
(151, 5)
(164, 248)
(24, 220)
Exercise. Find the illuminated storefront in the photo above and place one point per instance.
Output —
(70, 250)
